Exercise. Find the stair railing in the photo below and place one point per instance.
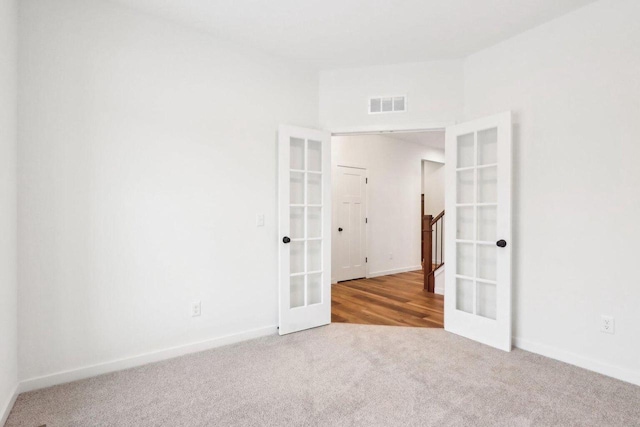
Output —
(433, 248)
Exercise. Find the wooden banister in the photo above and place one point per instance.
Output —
(431, 263)
(427, 236)
(434, 220)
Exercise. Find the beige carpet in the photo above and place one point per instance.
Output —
(341, 375)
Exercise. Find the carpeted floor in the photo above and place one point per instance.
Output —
(341, 375)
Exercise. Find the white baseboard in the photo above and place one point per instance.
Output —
(143, 359)
(622, 374)
(6, 409)
(394, 271)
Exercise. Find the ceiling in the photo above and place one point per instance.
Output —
(348, 33)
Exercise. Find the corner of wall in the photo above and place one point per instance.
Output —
(8, 206)
(5, 409)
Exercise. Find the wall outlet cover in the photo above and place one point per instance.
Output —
(607, 324)
(196, 309)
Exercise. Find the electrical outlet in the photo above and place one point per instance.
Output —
(607, 325)
(196, 308)
(390, 256)
(260, 220)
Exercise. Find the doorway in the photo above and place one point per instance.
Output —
(377, 275)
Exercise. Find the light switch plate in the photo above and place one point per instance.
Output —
(260, 220)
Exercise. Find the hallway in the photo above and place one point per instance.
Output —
(396, 300)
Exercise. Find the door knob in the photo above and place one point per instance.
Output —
(339, 228)
(285, 239)
(501, 243)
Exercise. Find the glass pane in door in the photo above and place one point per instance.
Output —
(487, 223)
(466, 150)
(465, 259)
(486, 300)
(464, 295)
(296, 187)
(314, 255)
(314, 288)
(487, 261)
(465, 186)
(296, 221)
(296, 257)
(488, 185)
(314, 156)
(314, 222)
(296, 154)
(314, 189)
(296, 296)
(488, 147)
(465, 223)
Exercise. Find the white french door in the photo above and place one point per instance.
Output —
(351, 223)
(478, 230)
(304, 200)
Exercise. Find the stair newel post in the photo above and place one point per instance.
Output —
(427, 246)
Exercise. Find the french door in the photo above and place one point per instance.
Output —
(478, 230)
(351, 226)
(304, 200)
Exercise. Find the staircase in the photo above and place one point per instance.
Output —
(432, 248)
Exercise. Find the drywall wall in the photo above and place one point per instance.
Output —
(8, 209)
(433, 187)
(393, 197)
(146, 151)
(433, 89)
(573, 85)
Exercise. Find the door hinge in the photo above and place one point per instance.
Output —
(366, 180)
(366, 220)
(366, 259)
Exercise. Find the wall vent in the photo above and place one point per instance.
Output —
(387, 104)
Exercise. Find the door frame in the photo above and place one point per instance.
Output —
(334, 213)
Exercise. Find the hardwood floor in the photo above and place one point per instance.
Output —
(397, 300)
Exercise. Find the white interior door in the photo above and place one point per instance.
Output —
(351, 223)
(304, 195)
(478, 230)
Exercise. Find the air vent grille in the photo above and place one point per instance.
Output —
(387, 104)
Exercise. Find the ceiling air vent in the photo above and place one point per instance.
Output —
(387, 104)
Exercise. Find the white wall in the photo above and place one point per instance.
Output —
(574, 87)
(8, 141)
(393, 197)
(433, 187)
(146, 151)
(433, 89)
